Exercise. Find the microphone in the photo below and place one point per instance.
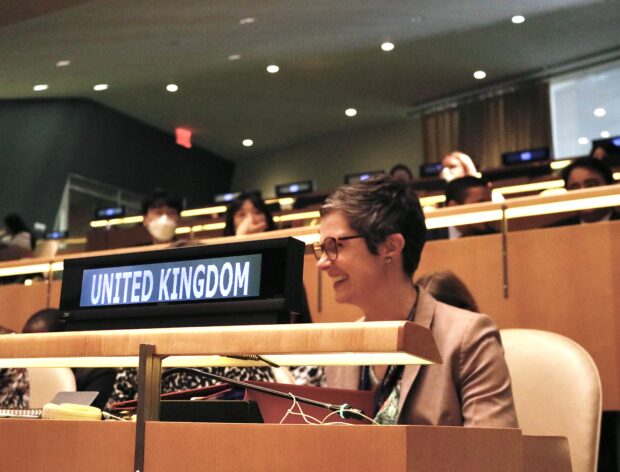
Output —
(344, 410)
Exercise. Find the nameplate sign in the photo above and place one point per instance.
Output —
(230, 277)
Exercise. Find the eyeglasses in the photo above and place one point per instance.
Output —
(330, 247)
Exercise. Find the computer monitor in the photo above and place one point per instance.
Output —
(254, 282)
(430, 170)
(225, 197)
(362, 176)
(110, 212)
(294, 188)
(525, 156)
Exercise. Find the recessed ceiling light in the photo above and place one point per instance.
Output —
(247, 142)
(172, 87)
(100, 87)
(40, 87)
(234, 57)
(518, 19)
(605, 134)
(350, 112)
(272, 69)
(600, 111)
(387, 46)
(247, 21)
(583, 140)
(480, 74)
(63, 63)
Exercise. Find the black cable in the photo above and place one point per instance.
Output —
(344, 410)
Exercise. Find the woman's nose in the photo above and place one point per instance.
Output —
(323, 263)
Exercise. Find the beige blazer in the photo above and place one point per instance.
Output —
(472, 385)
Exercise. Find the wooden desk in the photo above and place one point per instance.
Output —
(90, 446)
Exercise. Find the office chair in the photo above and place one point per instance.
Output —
(45, 382)
(557, 391)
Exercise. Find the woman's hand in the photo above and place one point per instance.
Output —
(249, 226)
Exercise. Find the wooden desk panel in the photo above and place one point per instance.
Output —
(284, 448)
(562, 279)
(66, 446)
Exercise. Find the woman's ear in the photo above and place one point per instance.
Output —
(393, 245)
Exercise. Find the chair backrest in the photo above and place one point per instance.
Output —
(46, 382)
(557, 391)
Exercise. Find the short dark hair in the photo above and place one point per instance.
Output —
(44, 321)
(161, 198)
(402, 167)
(456, 190)
(238, 202)
(592, 164)
(379, 207)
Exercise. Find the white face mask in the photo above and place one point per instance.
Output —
(162, 228)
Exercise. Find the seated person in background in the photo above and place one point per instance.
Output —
(14, 387)
(18, 241)
(446, 287)
(464, 191)
(248, 214)
(371, 239)
(161, 217)
(456, 165)
(401, 172)
(604, 151)
(585, 173)
(86, 379)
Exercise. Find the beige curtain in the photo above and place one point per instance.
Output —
(441, 134)
(489, 127)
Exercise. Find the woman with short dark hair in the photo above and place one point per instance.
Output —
(371, 239)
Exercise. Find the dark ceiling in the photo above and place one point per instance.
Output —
(328, 53)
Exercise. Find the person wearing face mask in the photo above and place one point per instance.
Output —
(456, 165)
(161, 217)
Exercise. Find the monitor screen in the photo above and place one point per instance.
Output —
(252, 282)
(225, 197)
(362, 176)
(294, 188)
(110, 212)
(525, 156)
(430, 170)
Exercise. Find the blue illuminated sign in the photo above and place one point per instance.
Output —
(181, 281)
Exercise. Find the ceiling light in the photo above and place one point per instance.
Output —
(272, 69)
(40, 87)
(63, 63)
(583, 140)
(605, 134)
(417, 19)
(234, 57)
(600, 111)
(247, 21)
(100, 87)
(480, 74)
(172, 88)
(350, 112)
(387, 46)
(518, 19)
(247, 142)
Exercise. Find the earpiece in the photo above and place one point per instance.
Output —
(70, 411)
